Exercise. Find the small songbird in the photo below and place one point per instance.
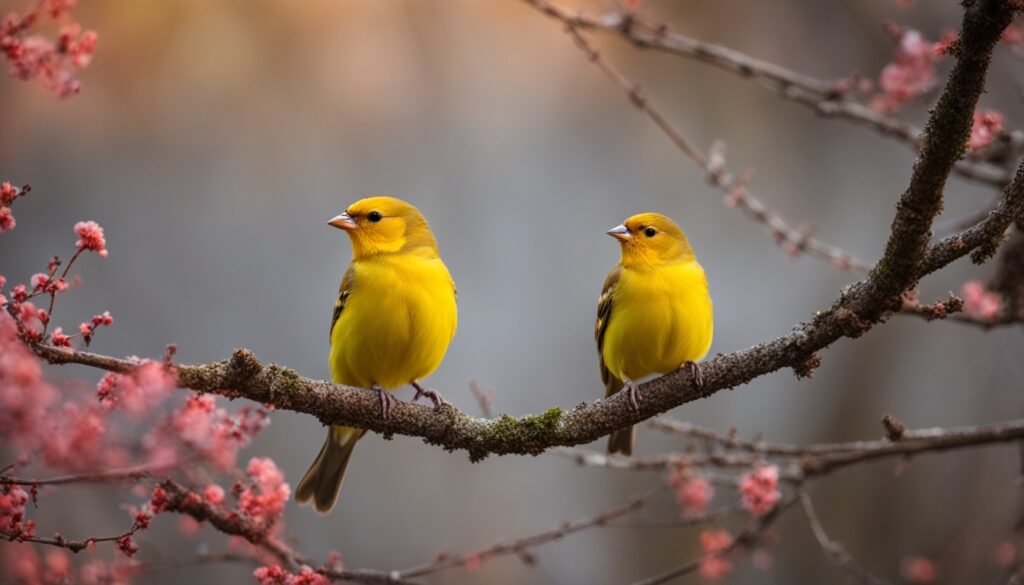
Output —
(654, 314)
(393, 320)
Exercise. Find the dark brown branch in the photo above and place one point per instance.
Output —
(829, 99)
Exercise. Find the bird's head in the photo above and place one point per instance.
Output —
(382, 225)
(651, 238)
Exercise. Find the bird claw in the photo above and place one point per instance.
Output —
(696, 374)
(387, 401)
(433, 395)
(633, 391)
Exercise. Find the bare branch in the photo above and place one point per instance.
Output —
(833, 550)
(521, 545)
(109, 476)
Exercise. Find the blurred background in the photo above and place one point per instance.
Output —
(212, 141)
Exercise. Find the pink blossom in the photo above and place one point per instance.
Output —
(59, 339)
(981, 303)
(693, 493)
(57, 7)
(159, 501)
(127, 545)
(910, 74)
(25, 396)
(8, 193)
(139, 392)
(33, 56)
(90, 237)
(78, 46)
(214, 494)
(275, 575)
(918, 570)
(12, 512)
(7, 222)
(208, 431)
(714, 542)
(987, 125)
(759, 489)
(264, 498)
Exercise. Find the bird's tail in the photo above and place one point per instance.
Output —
(323, 480)
(619, 441)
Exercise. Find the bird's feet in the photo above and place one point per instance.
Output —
(386, 401)
(696, 374)
(633, 391)
(433, 395)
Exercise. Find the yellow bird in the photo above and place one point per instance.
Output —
(394, 318)
(654, 314)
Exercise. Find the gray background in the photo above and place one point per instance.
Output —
(214, 139)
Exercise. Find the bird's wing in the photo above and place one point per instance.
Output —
(604, 314)
(343, 293)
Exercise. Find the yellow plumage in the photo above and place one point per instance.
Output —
(394, 318)
(655, 312)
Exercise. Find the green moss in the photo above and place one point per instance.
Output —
(529, 434)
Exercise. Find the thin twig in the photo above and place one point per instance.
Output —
(833, 550)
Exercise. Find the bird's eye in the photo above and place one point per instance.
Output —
(649, 232)
(374, 216)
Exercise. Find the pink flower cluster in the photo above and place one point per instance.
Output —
(13, 524)
(693, 492)
(981, 303)
(276, 575)
(139, 392)
(263, 497)
(25, 396)
(714, 542)
(52, 62)
(986, 127)
(200, 428)
(911, 73)
(759, 489)
(90, 237)
(8, 193)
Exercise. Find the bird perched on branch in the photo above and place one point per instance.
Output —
(654, 314)
(393, 320)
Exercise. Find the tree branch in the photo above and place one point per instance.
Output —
(833, 550)
(828, 98)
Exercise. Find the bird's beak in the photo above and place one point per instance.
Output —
(620, 232)
(343, 222)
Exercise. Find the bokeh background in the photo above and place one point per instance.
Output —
(213, 140)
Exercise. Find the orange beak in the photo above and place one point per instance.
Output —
(343, 221)
(620, 232)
